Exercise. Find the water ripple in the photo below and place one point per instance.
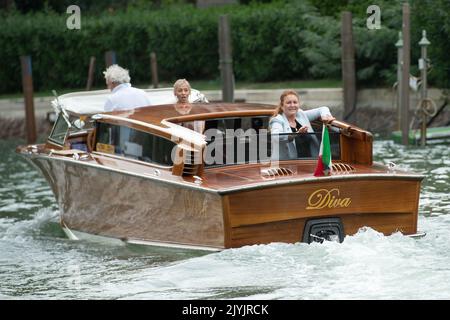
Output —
(37, 261)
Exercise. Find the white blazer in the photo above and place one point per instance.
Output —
(280, 124)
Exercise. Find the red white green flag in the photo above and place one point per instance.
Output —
(324, 161)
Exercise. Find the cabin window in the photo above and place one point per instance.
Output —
(133, 144)
(244, 140)
(244, 123)
(59, 130)
(304, 146)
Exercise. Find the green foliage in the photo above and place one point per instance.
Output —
(87, 6)
(267, 44)
(329, 7)
(322, 47)
(434, 17)
(275, 41)
(376, 54)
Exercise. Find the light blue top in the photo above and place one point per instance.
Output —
(280, 124)
(125, 97)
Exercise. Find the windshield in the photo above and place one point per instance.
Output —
(59, 131)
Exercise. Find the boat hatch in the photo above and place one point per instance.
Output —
(326, 229)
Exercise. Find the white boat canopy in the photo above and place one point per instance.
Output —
(92, 102)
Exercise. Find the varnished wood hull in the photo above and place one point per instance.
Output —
(121, 205)
(279, 213)
(112, 204)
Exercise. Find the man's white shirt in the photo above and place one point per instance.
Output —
(125, 97)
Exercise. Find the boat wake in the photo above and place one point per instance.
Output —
(16, 230)
(367, 265)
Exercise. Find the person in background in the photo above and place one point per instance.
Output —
(289, 118)
(124, 96)
(183, 94)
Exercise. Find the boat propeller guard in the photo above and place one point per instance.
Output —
(326, 229)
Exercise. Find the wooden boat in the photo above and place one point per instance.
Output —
(144, 176)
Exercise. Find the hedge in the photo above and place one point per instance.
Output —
(277, 41)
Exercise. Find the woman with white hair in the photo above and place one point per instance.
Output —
(123, 96)
(183, 94)
(182, 91)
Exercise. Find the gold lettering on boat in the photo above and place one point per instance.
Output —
(324, 198)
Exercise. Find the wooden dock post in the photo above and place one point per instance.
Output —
(110, 58)
(90, 79)
(154, 67)
(226, 59)
(423, 66)
(399, 45)
(348, 65)
(405, 74)
(27, 84)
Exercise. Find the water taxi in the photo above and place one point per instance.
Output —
(209, 176)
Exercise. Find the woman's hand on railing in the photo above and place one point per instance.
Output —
(328, 118)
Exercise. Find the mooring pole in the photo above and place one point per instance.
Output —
(399, 46)
(405, 74)
(348, 65)
(110, 58)
(27, 84)
(90, 79)
(225, 59)
(154, 67)
(423, 66)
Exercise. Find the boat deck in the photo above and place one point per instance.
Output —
(227, 179)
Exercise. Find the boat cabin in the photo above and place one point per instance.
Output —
(186, 140)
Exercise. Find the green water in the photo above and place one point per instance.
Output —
(37, 261)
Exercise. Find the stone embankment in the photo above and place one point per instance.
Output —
(12, 117)
(375, 111)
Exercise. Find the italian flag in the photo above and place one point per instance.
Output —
(324, 161)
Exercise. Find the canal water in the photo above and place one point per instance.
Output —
(37, 261)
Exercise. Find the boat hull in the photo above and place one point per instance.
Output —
(279, 213)
(113, 203)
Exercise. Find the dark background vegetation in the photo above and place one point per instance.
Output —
(272, 40)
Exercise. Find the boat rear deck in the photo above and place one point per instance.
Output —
(226, 179)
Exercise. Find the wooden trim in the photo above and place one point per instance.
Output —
(225, 114)
(352, 131)
(416, 209)
(171, 132)
(160, 132)
(356, 150)
(92, 134)
(227, 239)
(288, 202)
(278, 231)
(148, 164)
(52, 145)
(178, 165)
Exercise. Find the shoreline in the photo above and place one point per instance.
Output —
(375, 109)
